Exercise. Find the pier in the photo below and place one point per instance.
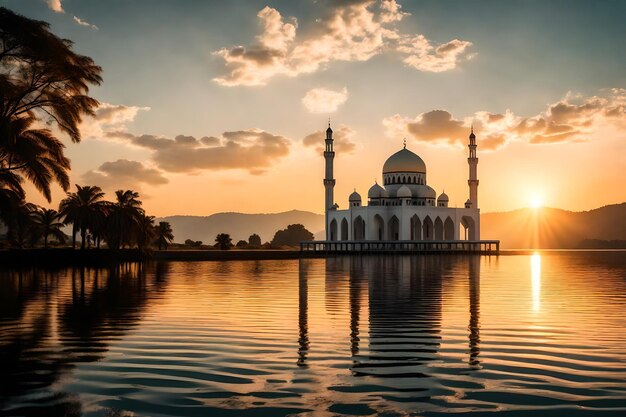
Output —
(483, 247)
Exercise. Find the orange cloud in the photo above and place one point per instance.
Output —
(55, 6)
(323, 100)
(109, 117)
(572, 119)
(253, 150)
(350, 31)
(123, 174)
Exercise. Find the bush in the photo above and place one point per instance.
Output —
(223, 241)
(193, 243)
(291, 236)
(242, 244)
(254, 240)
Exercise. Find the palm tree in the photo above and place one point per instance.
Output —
(11, 195)
(145, 232)
(21, 227)
(123, 221)
(164, 234)
(47, 222)
(33, 153)
(83, 209)
(223, 241)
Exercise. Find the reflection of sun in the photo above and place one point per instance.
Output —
(535, 277)
(536, 202)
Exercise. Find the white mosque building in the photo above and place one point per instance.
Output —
(404, 207)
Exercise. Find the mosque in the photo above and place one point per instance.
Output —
(404, 207)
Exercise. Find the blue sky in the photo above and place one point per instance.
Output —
(524, 57)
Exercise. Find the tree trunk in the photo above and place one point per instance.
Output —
(45, 241)
(74, 237)
(83, 233)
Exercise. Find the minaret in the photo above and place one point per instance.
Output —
(473, 170)
(329, 181)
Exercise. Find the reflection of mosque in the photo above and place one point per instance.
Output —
(405, 297)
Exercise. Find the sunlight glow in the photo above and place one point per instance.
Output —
(535, 276)
(536, 202)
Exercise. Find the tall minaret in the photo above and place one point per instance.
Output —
(473, 170)
(329, 181)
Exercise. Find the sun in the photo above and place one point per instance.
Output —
(536, 202)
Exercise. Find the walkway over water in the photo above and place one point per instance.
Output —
(487, 247)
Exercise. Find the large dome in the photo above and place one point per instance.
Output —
(404, 161)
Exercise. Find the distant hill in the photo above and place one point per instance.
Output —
(550, 228)
(240, 225)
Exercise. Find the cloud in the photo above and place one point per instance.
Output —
(323, 100)
(55, 6)
(109, 117)
(423, 56)
(253, 150)
(342, 136)
(84, 23)
(348, 31)
(123, 174)
(572, 119)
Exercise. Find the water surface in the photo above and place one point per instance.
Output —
(541, 335)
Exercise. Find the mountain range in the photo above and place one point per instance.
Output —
(546, 228)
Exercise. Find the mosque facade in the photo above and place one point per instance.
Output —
(403, 207)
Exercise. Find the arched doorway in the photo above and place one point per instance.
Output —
(394, 228)
(469, 227)
(438, 229)
(379, 227)
(427, 229)
(416, 228)
(333, 230)
(448, 229)
(358, 228)
(344, 229)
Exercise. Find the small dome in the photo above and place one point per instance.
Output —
(354, 196)
(404, 161)
(443, 197)
(468, 203)
(329, 130)
(404, 192)
(376, 191)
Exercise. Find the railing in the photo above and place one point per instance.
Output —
(490, 247)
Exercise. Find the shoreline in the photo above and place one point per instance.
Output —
(96, 257)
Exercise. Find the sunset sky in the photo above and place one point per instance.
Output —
(212, 106)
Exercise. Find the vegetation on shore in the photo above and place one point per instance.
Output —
(43, 82)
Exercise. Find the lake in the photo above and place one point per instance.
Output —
(540, 335)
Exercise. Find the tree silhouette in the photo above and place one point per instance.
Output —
(11, 195)
(291, 236)
(193, 243)
(22, 226)
(254, 240)
(83, 210)
(47, 222)
(164, 234)
(41, 81)
(145, 231)
(241, 244)
(223, 241)
(123, 221)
